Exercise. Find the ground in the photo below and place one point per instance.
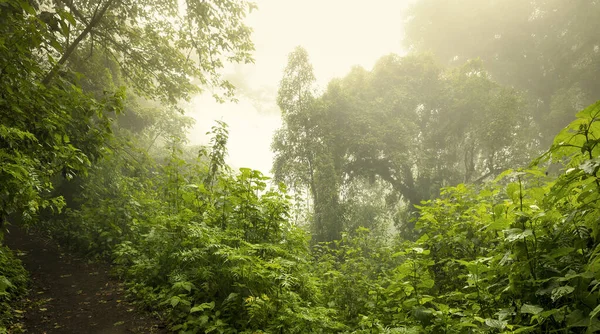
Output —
(72, 295)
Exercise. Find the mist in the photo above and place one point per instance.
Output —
(286, 166)
(341, 35)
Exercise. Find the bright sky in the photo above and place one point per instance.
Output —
(337, 34)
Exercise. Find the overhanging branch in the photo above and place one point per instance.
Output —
(95, 20)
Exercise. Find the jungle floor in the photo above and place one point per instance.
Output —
(72, 295)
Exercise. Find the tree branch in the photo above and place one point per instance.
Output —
(95, 20)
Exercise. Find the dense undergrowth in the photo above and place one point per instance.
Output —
(214, 250)
(89, 114)
(13, 283)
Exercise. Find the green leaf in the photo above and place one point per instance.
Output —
(515, 234)
(591, 111)
(174, 301)
(513, 190)
(202, 307)
(577, 319)
(427, 283)
(504, 174)
(420, 250)
(499, 224)
(4, 284)
(67, 16)
(499, 210)
(595, 312)
(27, 7)
(561, 291)
(527, 329)
(495, 323)
(56, 45)
(531, 309)
(187, 286)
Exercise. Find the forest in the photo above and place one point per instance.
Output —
(454, 188)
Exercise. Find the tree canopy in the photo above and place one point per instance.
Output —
(394, 123)
(410, 197)
(56, 121)
(548, 49)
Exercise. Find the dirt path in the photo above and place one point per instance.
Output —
(69, 295)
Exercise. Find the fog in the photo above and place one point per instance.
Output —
(434, 166)
(337, 34)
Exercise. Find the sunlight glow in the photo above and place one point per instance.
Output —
(338, 34)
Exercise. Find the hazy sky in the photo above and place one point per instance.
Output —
(337, 34)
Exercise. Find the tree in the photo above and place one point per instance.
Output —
(294, 159)
(302, 154)
(414, 125)
(45, 130)
(548, 49)
(160, 46)
(55, 121)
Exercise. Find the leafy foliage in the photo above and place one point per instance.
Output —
(152, 43)
(216, 251)
(547, 49)
(213, 248)
(45, 130)
(519, 254)
(13, 281)
(392, 124)
(64, 67)
(56, 121)
(302, 154)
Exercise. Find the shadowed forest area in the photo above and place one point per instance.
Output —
(453, 188)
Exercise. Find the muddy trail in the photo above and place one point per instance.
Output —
(71, 295)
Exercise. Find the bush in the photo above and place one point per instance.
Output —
(13, 283)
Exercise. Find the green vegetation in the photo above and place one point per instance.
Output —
(392, 124)
(548, 49)
(430, 205)
(13, 284)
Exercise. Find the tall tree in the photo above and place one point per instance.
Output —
(548, 49)
(410, 123)
(302, 157)
(294, 158)
(425, 127)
